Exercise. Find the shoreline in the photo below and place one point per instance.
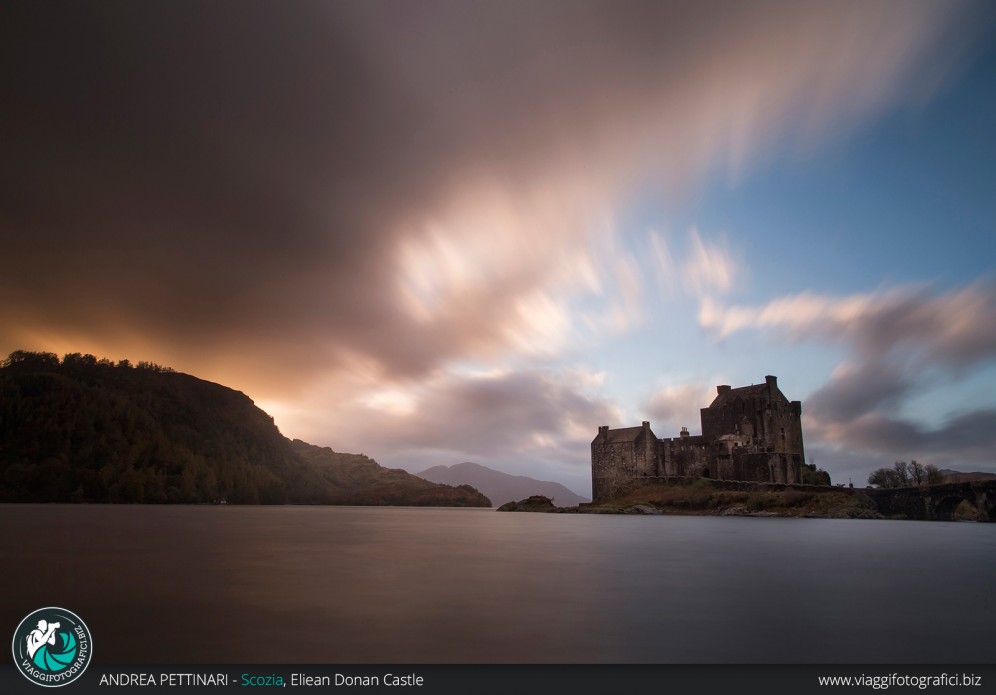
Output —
(704, 497)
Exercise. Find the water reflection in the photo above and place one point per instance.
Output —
(365, 585)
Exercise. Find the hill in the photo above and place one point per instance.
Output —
(364, 481)
(500, 487)
(951, 476)
(89, 430)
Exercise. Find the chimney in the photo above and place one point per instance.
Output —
(772, 382)
(684, 430)
(646, 425)
(720, 390)
(603, 431)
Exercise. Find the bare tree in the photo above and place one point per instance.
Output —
(904, 474)
(902, 470)
(934, 475)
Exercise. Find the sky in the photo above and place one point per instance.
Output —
(435, 232)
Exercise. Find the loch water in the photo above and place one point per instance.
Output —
(233, 584)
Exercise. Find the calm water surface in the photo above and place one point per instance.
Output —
(399, 585)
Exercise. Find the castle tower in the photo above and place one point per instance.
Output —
(751, 433)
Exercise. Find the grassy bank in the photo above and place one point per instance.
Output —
(705, 497)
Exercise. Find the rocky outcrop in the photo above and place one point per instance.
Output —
(536, 503)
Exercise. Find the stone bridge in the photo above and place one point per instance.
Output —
(936, 502)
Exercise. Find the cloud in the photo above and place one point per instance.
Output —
(796, 316)
(899, 341)
(965, 439)
(665, 267)
(314, 183)
(676, 406)
(857, 390)
(951, 329)
(371, 193)
(535, 422)
(707, 270)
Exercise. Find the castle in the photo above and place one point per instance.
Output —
(749, 433)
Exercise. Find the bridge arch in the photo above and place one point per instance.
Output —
(946, 508)
(938, 502)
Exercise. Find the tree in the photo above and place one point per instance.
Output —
(77, 359)
(904, 474)
(902, 470)
(811, 475)
(31, 359)
(934, 475)
(883, 477)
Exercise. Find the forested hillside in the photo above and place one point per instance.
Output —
(82, 429)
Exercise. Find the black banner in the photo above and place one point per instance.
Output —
(520, 679)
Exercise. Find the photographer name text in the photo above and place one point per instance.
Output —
(261, 680)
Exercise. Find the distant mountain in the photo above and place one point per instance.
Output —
(362, 480)
(951, 476)
(89, 430)
(501, 487)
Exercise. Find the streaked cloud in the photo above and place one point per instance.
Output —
(900, 342)
(951, 328)
(522, 420)
(705, 270)
(710, 269)
(404, 192)
(366, 195)
(962, 440)
(857, 390)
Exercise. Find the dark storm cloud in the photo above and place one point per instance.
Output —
(193, 180)
(192, 172)
(181, 169)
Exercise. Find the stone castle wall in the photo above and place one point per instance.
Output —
(750, 434)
